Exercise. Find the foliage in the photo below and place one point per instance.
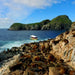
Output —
(17, 26)
(61, 22)
(32, 26)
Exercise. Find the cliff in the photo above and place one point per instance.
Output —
(72, 26)
(64, 47)
(51, 57)
(61, 22)
(32, 26)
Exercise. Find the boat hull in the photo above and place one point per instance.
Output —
(33, 38)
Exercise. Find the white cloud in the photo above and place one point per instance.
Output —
(5, 22)
(34, 3)
(18, 10)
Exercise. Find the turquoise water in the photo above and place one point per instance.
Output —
(9, 39)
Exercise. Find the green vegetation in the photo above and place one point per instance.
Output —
(32, 26)
(59, 23)
(17, 26)
(72, 26)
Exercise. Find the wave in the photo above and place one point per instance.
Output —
(11, 44)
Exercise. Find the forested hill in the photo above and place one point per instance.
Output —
(61, 22)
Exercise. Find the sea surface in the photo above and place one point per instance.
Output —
(9, 39)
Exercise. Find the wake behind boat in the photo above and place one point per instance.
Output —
(33, 37)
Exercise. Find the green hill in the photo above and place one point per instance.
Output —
(59, 23)
(32, 26)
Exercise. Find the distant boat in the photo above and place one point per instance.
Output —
(33, 37)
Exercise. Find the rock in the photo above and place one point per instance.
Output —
(4, 69)
(64, 49)
(72, 72)
(49, 57)
(72, 26)
(53, 71)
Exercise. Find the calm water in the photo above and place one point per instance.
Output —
(10, 39)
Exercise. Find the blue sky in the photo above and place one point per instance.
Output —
(30, 11)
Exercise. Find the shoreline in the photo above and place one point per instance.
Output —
(31, 41)
(42, 57)
(12, 40)
(11, 49)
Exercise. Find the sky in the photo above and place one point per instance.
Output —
(31, 11)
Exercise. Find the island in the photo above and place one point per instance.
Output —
(61, 22)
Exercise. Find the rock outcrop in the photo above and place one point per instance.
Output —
(51, 57)
(72, 26)
(65, 47)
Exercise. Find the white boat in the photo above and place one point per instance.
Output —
(33, 37)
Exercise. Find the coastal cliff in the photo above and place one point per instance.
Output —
(72, 26)
(49, 57)
(61, 22)
(32, 26)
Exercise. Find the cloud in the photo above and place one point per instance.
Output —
(5, 22)
(17, 10)
(73, 2)
(33, 3)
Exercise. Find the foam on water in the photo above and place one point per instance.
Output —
(11, 44)
(9, 39)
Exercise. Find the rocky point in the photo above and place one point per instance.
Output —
(50, 57)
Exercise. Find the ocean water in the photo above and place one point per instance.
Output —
(9, 39)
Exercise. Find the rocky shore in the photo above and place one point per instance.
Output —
(51, 57)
